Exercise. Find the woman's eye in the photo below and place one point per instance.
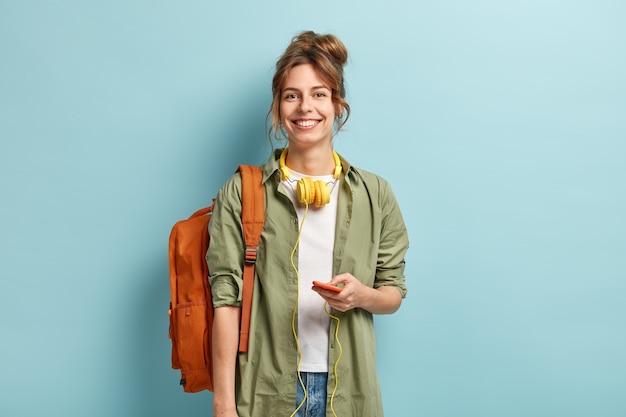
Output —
(291, 97)
(319, 95)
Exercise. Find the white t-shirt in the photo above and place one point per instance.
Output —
(315, 262)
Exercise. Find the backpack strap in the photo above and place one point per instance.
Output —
(252, 219)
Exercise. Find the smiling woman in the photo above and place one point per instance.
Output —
(304, 338)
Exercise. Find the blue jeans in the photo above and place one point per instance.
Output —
(315, 405)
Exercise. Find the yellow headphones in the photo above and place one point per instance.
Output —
(307, 190)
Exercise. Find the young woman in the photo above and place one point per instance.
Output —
(311, 349)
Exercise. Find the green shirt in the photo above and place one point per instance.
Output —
(370, 243)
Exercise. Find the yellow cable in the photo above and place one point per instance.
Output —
(295, 310)
(295, 333)
(332, 397)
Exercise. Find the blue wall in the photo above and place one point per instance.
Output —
(501, 125)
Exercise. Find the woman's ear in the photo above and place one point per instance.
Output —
(338, 111)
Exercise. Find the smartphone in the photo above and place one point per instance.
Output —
(327, 286)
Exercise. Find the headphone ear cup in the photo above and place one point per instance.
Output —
(312, 192)
(322, 194)
(305, 190)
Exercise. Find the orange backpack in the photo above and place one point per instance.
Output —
(191, 308)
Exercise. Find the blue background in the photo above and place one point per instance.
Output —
(500, 124)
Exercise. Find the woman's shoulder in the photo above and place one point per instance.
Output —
(231, 189)
(368, 178)
(377, 188)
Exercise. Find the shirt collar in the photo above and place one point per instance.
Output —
(271, 166)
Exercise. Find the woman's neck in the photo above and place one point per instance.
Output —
(315, 161)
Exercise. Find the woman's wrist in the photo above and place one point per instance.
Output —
(223, 405)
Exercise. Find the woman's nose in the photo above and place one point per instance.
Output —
(305, 105)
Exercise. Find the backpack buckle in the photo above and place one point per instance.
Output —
(250, 256)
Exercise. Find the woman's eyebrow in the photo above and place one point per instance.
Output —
(317, 87)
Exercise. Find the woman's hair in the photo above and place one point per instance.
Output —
(328, 55)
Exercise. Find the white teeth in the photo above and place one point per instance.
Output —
(305, 123)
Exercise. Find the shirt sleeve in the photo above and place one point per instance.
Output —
(225, 256)
(394, 243)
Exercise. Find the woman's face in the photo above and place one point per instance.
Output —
(307, 111)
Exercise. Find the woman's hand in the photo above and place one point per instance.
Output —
(382, 300)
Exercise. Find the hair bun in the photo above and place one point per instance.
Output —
(329, 44)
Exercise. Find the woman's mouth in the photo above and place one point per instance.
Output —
(306, 123)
